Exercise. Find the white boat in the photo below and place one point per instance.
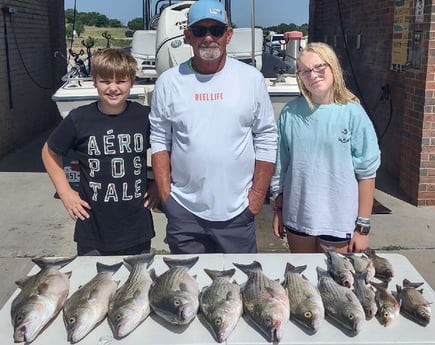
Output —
(161, 46)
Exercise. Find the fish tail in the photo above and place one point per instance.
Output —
(146, 259)
(254, 266)
(213, 274)
(108, 268)
(188, 263)
(43, 262)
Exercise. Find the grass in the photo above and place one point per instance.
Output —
(118, 38)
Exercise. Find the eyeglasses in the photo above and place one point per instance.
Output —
(319, 68)
(216, 31)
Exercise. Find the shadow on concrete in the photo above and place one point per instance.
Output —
(26, 158)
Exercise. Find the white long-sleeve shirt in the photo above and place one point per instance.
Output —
(215, 127)
(321, 156)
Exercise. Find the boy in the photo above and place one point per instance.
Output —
(110, 138)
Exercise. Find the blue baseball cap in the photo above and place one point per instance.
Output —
(206, 9)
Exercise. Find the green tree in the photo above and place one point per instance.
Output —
(101, 21)
(80, 28)
(114, 23)
(135, 24)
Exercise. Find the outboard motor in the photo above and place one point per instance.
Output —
(171, 50)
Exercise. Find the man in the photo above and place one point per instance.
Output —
(213, 141)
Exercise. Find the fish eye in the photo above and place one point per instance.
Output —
(350, 316)
(177, 302)
(308, 314)
(118, 317)
(218, 321)
(268, 321)
(72, 319)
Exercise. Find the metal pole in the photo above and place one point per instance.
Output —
(253, 30)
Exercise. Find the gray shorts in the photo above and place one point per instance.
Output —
(189, 234)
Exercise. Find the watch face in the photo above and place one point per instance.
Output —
(363, 229)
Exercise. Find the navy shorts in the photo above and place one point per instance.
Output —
(326, 238)
(83, 250)
(189, 234)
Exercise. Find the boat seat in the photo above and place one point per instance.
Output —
(240, 46)
(143, 49)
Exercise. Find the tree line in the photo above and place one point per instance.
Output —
(102, 21)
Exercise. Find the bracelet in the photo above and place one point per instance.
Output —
(277, 208)
(362, 220)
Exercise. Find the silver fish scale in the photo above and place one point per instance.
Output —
(171, 279)
(340, 301)
(219, 289)
(257, 283)
(138, 279)
(81, 296)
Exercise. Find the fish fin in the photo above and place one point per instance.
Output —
(93, 294)
(213, 274)
(153, 274)
(188, 263)
(407, 283)
(21, 282)
(253, 266)
(43, 262)
(146, 258)
(108, 268)
(42, 288)
(183, 286)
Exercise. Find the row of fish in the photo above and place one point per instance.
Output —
(175, 296)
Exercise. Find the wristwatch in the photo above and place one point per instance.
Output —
(362, 225)
(363, 229)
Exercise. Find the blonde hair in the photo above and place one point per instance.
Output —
(342, 95)
(111, 62)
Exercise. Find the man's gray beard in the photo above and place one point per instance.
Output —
(210, 54)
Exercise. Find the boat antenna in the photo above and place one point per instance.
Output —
(146, 14)
(73, 29)
(253, 31)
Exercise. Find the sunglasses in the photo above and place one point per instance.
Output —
(215, 31)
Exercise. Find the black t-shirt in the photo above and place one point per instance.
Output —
(112, 154)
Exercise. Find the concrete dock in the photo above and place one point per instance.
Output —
(34, 223)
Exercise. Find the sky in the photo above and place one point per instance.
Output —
(267, 12)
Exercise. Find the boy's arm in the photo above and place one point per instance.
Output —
(75, 206)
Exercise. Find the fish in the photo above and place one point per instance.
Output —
(41, 298)
(413, 304)
(306, 305)
(174, 295)
(362, 264)
(221, 303)
(339, 267)
(87, 307)
(265, 301)
(130, 305)
(341, 304)
(383, 268)
(388, 306)
(365, 294)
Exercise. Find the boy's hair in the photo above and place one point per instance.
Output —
(342, 95)
(111, 62)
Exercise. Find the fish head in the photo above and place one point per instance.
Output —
(350, 316)
(271, 319)
(125, 319)
(370, 309)
(223, 319)
(310, 317)
(422, 315)
(28, 322)
(346, 279)
(387, 314)
(78, 323)
(177, 307)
